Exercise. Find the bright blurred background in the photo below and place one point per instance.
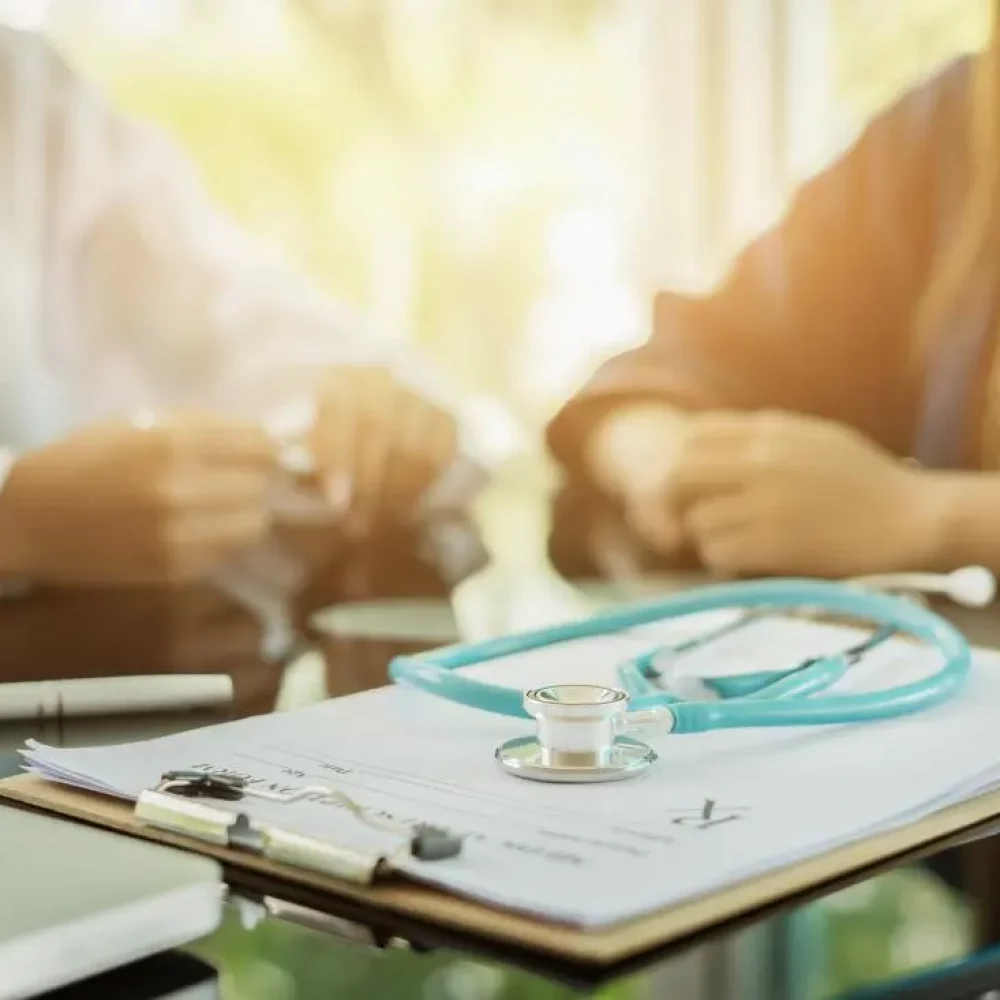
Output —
(506, 183)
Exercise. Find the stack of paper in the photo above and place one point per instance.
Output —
(716, 809)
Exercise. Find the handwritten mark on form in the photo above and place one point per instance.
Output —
(708, 815)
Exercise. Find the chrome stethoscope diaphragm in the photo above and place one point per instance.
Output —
(578, 737)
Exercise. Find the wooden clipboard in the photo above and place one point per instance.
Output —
(599, 947)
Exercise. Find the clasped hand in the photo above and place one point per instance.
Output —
(777, 493)
(118, 503)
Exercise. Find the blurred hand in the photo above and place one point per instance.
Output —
(632, 455)
(115, 504)
(775, 493)
(378, 445)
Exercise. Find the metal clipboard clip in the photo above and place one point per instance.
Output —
(175, 805)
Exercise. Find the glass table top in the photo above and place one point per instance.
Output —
(903, 918)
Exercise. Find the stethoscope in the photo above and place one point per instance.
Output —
(581, 729)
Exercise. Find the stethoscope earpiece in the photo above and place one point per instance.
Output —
(971, 586)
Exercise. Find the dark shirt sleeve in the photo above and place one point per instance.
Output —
(815, 316)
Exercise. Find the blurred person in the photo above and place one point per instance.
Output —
(151, 354)
(832, 407)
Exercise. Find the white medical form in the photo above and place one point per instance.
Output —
(716, 809)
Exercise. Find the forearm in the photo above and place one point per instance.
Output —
(11, 561)
(11, 558)
(963, 520)
(15, 561)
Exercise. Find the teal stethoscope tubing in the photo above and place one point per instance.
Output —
(815, 674)
(778, 701)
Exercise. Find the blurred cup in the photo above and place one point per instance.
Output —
(358, 640)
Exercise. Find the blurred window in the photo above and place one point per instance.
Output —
(508, 181)
(884, 47)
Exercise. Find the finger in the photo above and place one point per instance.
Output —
(727, 553)
(738, 542)
(718, 440)
(716, 455)
(378, 417)
(403, 440)
(222, 488)
(724, 533)
(708, 473)
(657, 524)
(200, 543)
(723, 427)
(335, 432)
(440, 448)
(717, 515)
(217, 440)
(424, 442)
(737, 457)
(351, 435)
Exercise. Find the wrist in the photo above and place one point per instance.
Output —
(955, 521)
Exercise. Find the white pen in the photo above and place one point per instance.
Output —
(90, 696)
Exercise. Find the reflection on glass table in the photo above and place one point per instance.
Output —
(902, 920)
(291, 954)
(871, 933)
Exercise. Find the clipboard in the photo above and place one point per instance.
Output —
(397, 896)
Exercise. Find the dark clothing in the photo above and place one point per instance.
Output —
(816, 316)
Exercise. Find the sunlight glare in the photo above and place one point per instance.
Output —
(583, 245)
(24, 15)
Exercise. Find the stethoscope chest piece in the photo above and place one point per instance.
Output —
(576, 740)
(525, 757)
